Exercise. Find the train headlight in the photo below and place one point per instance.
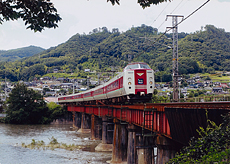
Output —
(150, 82)
(129, 79)
(129, 83)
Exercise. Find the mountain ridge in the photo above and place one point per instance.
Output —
(19, 53)
(206, 50)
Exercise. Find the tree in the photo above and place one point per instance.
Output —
(25, 106)
(143, 3)
(211, 147)
(1, 105)
(56, 110)
(37, 14)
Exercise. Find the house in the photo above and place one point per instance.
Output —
(51, 99)
(217, 90)
(184, 92)
(67, 85)
(193, 86)
(55, 71)
(224, 85)
(190, 81)
(45, 78)
(53, 86)
(60, 79)
(157, 85)
(216, 83)
(53, 93)
(87, 70)
(207, 83)
(45, 86)
(200, 84)
(82, 89)
(93, 82)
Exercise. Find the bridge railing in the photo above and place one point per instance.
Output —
(150, 119)
(210, 98)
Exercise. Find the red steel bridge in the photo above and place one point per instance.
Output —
(177, 122)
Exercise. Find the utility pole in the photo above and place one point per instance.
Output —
(5, 86)
(175, 56)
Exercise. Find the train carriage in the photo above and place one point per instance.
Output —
(139, 81)
(113, 88)
(87, 96)
(78, 97)
(135, 83)
(99, 93)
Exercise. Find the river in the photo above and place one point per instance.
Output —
(12, 152)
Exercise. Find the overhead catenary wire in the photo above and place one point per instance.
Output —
(167, 30)
(181, 6)
(177, 6)
(160, 13)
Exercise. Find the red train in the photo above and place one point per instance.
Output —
(134, 84)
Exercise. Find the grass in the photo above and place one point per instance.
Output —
(53, 144)
(218, 77)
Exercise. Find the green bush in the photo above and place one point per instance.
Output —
(25, 106)
(213, 146)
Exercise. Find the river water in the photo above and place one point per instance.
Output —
(12, 152)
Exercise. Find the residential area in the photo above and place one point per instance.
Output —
(51, 88)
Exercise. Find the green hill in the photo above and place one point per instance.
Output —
(16, 54)
(202, 51)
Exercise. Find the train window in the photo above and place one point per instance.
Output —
(135, 66)
(144, 66)
(132, 66)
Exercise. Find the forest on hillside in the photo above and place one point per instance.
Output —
(19, 53)
(207, 50)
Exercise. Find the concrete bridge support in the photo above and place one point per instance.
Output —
(120, 142)
(131, 152)
(85, 123)
(166, 149)
(145, 149)
(107, 135)
(96, 128)
(77, 120)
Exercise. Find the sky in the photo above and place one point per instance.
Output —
(82, 16)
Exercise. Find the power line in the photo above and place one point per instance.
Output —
(177, 6)
(161, 13)
(182, 6)
(167, 30)
(162, 24)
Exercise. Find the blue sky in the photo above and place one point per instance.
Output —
(82, 16)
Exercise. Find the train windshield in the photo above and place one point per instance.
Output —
(144, 66)
(135, 66)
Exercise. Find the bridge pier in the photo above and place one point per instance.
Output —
(120, 139)
(145, 149)
(166, 149)
(107, 135)
(93, 128)
(131, 152)
(96, 128)
(85, 123)
(77, 120)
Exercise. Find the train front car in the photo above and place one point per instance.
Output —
(138, 82)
